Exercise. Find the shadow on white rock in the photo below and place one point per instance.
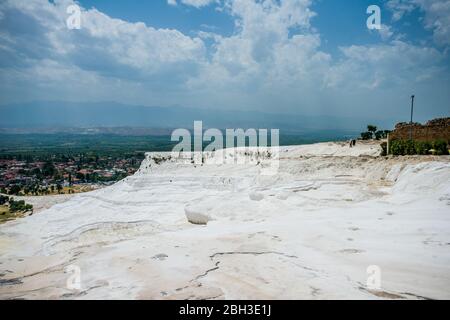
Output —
(256, 196)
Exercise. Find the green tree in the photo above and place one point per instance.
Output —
(48, 170)
(37, 173)
(366, 135)
(3, 200)
(14, 190)
(371, 128)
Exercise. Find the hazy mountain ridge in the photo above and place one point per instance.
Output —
(108, 114)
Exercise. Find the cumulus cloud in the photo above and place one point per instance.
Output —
(35, 36)
(437, 15)
(273, 61)
(265, 62)
(262, 56)
(102, 42)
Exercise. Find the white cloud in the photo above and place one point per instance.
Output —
(395, 64)
(263, 47)
(266, 63)
(386, 32)
(437, 15)
(112, 43)
(273, 61)
(400, 7)
(193, 3)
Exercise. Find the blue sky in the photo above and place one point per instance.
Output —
(159, 14)
(311, 57)
(340, 22)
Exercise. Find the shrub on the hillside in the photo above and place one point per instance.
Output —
(397, 148)
(440, 147)
(423, 148)
(19, 206)
(409, 147)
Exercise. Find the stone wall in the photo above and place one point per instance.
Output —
(437, 129)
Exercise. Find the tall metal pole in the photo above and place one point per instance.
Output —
(412, 114)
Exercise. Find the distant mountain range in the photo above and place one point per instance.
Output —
(110, 117)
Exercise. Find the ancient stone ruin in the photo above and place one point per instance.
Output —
(437, 129)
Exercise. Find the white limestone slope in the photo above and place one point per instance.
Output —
(308, 232)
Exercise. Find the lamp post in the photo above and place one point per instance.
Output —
(412, 113)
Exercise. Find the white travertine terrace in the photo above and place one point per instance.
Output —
(308, 232)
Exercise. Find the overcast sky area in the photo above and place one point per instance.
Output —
(306, 57)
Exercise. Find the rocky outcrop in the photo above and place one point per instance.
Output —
(437, 129)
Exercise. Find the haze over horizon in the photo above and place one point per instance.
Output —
(305, 58)
(51, 115)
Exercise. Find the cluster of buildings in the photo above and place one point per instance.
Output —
(32, 177)
(13, 172)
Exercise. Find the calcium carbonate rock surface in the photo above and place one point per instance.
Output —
(178, 230)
